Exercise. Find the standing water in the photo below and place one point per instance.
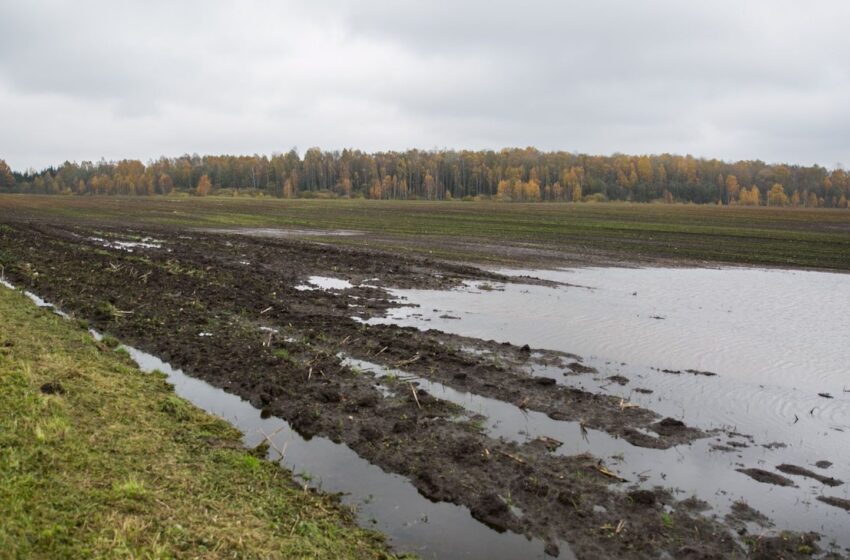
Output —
(777, 342)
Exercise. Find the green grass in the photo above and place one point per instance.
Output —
(114, 464)
(795, 237)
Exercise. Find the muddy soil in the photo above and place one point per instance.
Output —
(233, 311)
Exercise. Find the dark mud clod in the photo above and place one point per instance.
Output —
(699, 372)
(370, 433)
(800, 471)
(767, 477)
(642, 497)
(742, 513)
(552, 549)
(329, 395)
(823, 464)
(837, 502)
(784, 546)
(368, 401)
(491, 509)
(577, 367)
(53, 388)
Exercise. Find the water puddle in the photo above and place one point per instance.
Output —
(382, 501)
(325, 283)
(776, 340)
(129, 246)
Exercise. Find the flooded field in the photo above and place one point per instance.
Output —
(759, 352)
(470, 413)
(381, 500)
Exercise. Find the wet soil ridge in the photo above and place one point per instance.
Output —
(201, 301)
(499, 371)
(801, 471)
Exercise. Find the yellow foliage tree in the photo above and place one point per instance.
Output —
(750, 197)
(812, 202)
(531, 190)
(777, 196)
(166, 185)
(503, 192)
(644, 170)
(204, 186)
(7, 180)
(375, 189)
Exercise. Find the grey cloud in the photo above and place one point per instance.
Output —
(762, 79)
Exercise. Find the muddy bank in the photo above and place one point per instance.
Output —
(229, 310)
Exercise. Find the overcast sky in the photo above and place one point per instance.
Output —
(767, 79)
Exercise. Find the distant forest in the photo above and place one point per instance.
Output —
(523, 175)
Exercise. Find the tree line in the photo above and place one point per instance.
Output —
(524, 175)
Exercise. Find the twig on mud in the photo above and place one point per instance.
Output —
(344, 340)
(382, 350)
(609, 474)
(519, 460)
(310, 373)
(620, 526)
(266, 310)
(409, 361)
(268, 341)
(415, 397)
(624, 404)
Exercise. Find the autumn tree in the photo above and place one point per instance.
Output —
(750, 197)
(204, 186)
(508, 174)
(812, 201)
(777, 196)
(531, 190)
(795, 198)
(288, 189)
(165, 184)
(503, 192)
(7, 180)
(644, 170)
(732, 189)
